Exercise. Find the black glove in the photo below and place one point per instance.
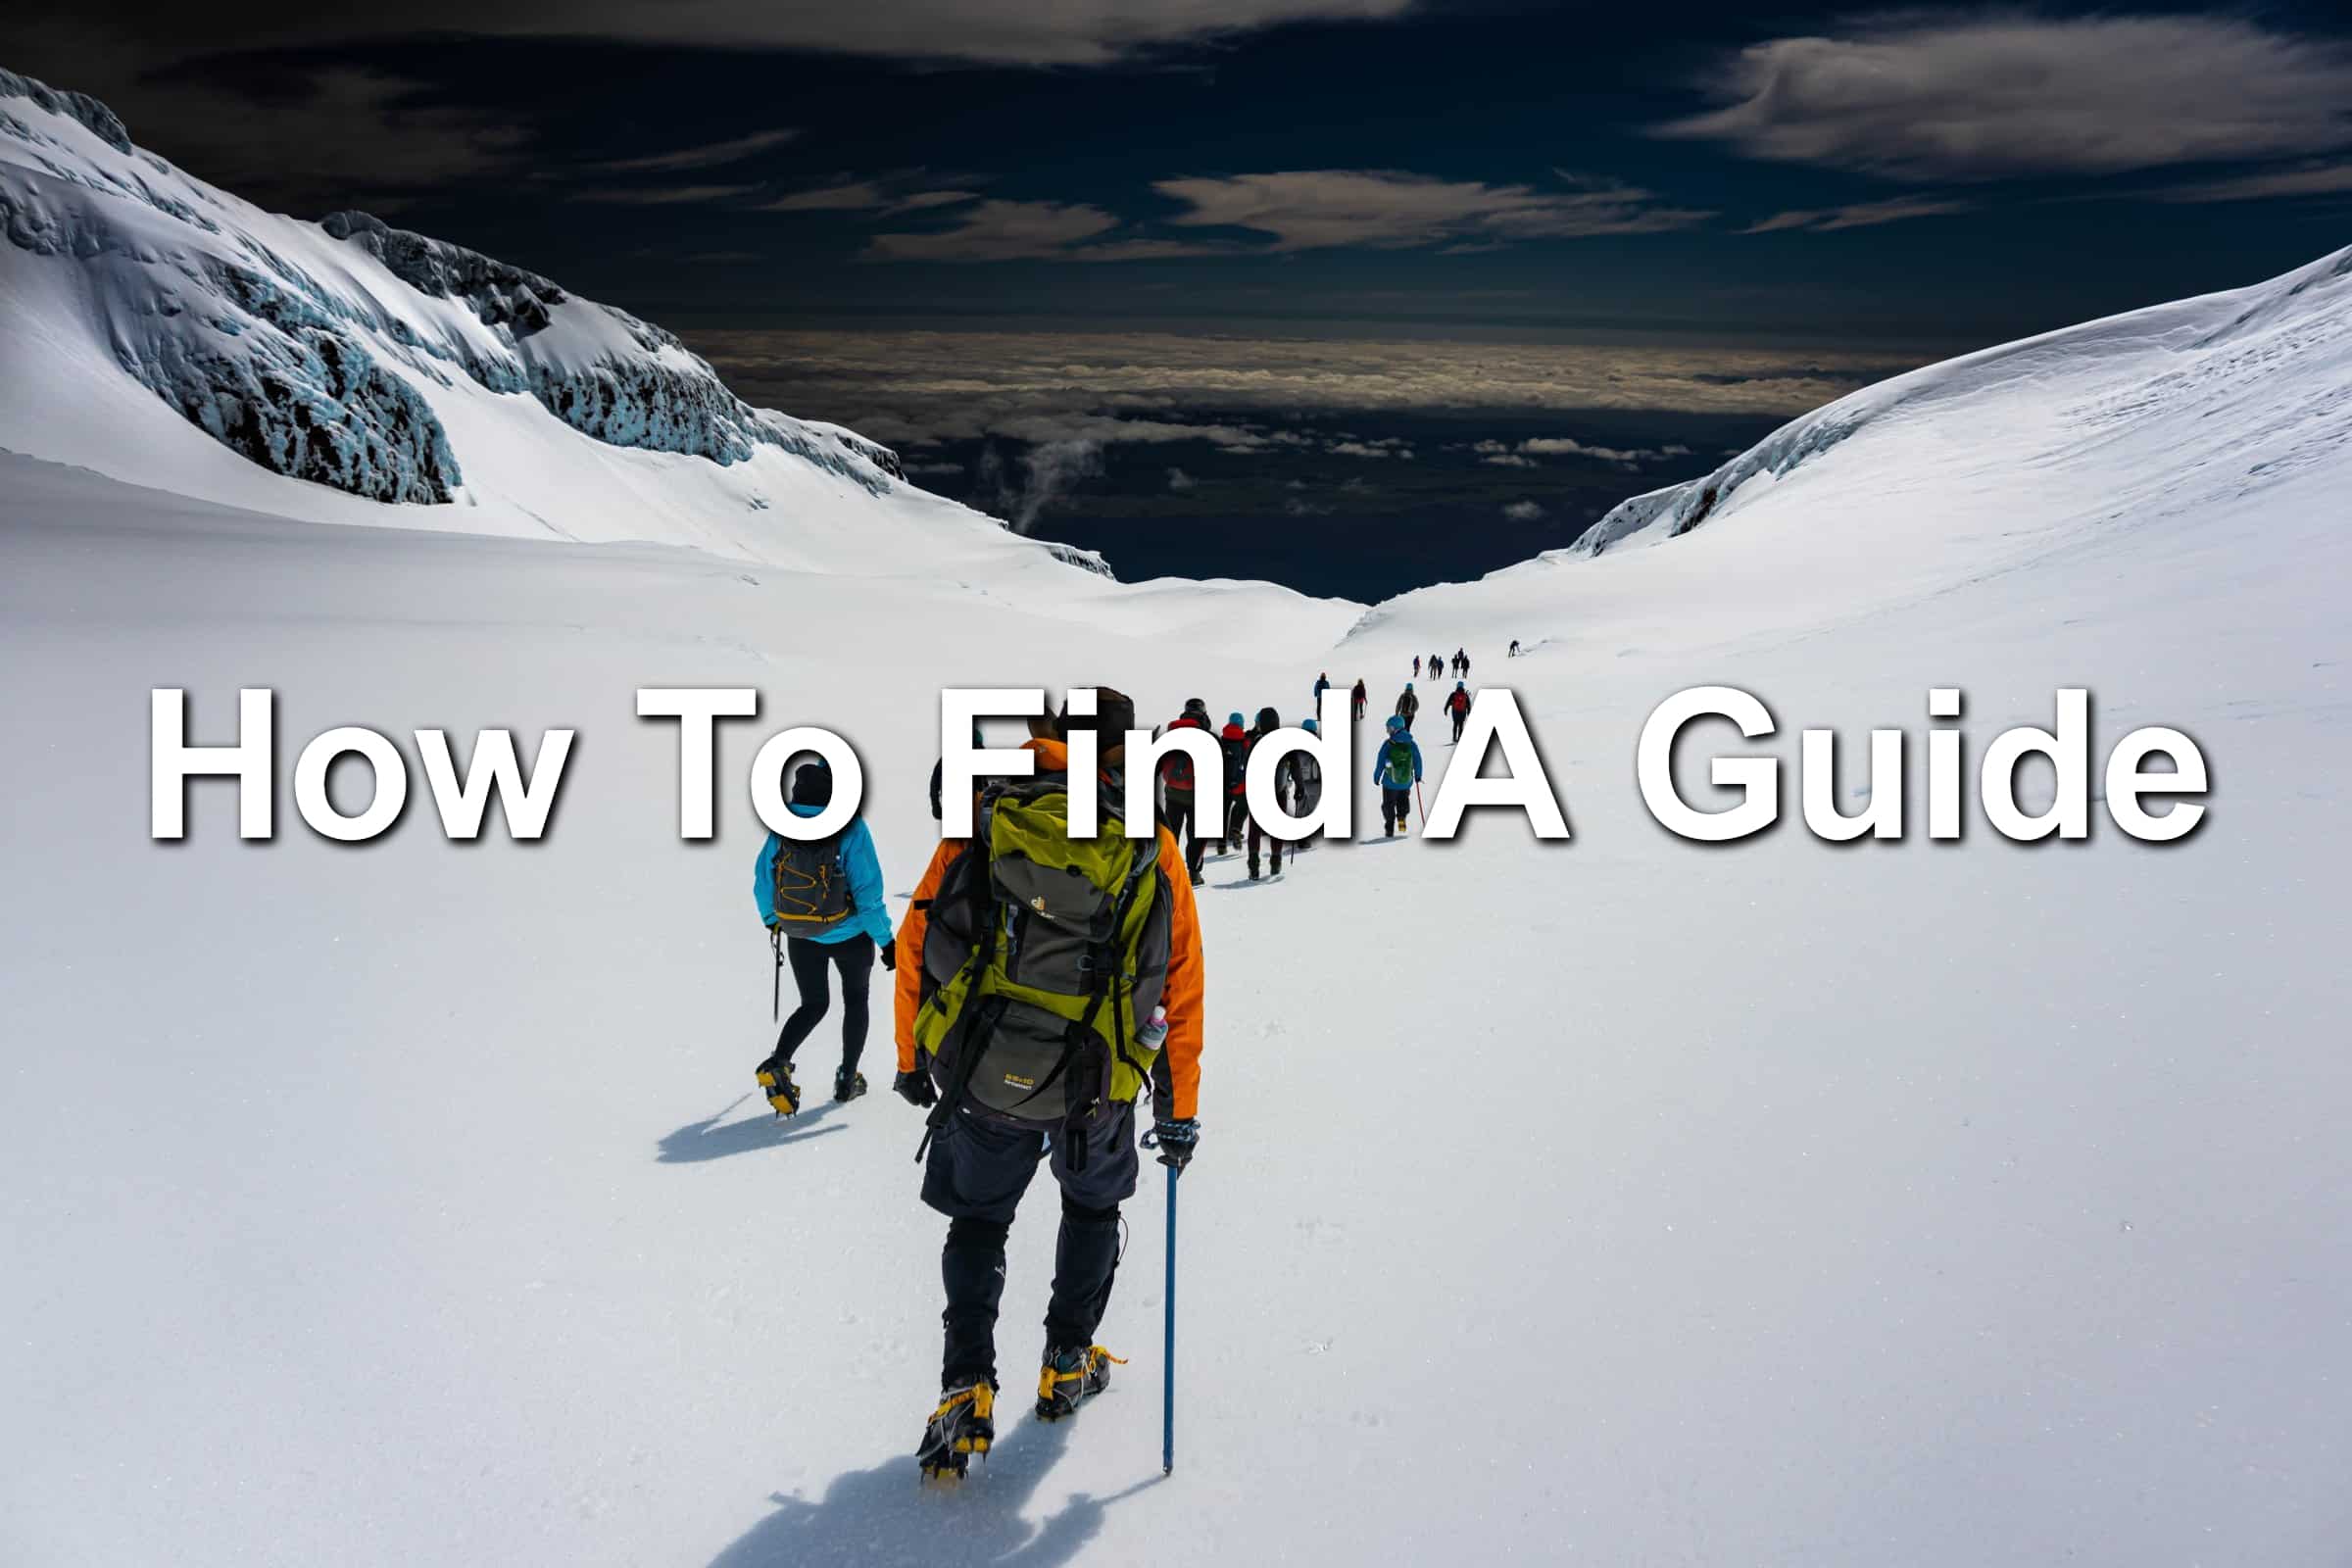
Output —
(915, 1089)
(1175, 1137)
(890, 955)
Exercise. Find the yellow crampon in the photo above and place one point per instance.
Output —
(983, 1400)
(783, 1094)
(952, 1457)
(1050, 1381)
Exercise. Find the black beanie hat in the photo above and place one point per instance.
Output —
(812, 785)
(1113, 717)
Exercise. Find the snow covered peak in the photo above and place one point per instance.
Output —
(140, 306)
(2184, 352)
(2157, 422)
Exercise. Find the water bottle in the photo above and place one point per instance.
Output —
(1153, 1030)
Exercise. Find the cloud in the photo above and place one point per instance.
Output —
(1392, 210)
(711, 154)
(661, 195)
(998, 231)
(1139, 388)
(1369, 449)
(211, 87)
(1155, 250)
(1180, 481)
(1525, 511)
(1946, 95)
(1569, 446)
(344, 136)
(2317, 179)
(1509, 460)
(1860, 215)
(1314, 209)
(1009, 32)
(881, 193)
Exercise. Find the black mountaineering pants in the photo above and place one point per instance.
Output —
(854, 958)
(977, 1170)
(1256, 836)
(1184, 825)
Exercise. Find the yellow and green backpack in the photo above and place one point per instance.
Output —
(1039, 956)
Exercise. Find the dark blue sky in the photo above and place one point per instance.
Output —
(2054, 168)
(1352, 294)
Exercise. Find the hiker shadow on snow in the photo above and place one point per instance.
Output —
(708, 1139)
(885, 1516)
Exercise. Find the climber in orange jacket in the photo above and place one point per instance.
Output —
(1022, 1087)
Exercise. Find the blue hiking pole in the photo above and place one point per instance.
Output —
(1167, 1387)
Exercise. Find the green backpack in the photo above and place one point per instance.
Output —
(1395, 764)
(1039, 956)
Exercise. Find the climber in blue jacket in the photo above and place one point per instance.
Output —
(823, 900)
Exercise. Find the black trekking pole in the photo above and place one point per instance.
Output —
(1167, 1387)
(775, 1002)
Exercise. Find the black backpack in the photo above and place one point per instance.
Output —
(810, 888)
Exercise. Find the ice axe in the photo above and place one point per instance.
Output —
(775, 997)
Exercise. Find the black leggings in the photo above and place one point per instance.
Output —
(854, 958)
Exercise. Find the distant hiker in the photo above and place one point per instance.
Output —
(1397, 770)
(1465, 666)
(1436, 665)
(1177, 781)
(822, 902)
(1457, 705)
(1514, 652)
(1408, 706)
(1461, 663)
(1416, 667)
(1357, 698)
(1286, 787)
(1045, 1070)
(1234, 740)
(1307, 784)
(1322, 685)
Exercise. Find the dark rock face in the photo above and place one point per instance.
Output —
(78, 106)
(501, 295)
(310, 379)
(297, 393)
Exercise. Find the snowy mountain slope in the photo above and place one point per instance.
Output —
(163, 331)
(2156, 374)
(1630, 1200)
(1950, 473)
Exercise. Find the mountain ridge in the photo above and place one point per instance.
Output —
(359, 357)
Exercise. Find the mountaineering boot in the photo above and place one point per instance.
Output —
(775, 1081)
(847, 1084)
(1070, 1377)
(964, 1424)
